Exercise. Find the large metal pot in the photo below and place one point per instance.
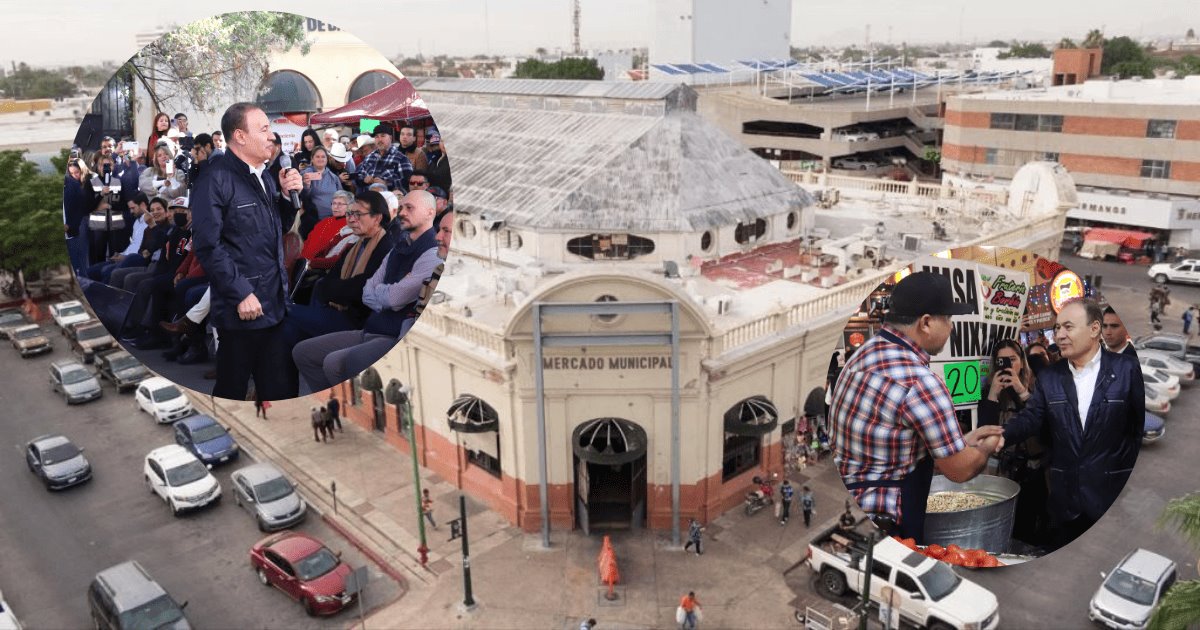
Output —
(988, 527)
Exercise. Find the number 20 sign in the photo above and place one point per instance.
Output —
(963, 379)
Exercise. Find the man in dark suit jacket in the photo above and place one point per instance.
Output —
(237, 235)
(1092, 404)
(1116, 337)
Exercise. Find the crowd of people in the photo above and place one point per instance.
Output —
(307, 261)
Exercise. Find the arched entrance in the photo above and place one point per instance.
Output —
(610, 474)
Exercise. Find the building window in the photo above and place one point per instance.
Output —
(610, 246)
(706, 241)
(750, 232)
(1048, 122)
(510, 239)
(606, 318)
(1026, 122)
(793, 219)
(991, 156)
(1004, 121)
(466, 229)
(486, 461)
(1160, 129)
(742, 452)
(1156, 169)
(1050, 156)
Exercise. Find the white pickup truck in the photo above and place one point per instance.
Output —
(923, 591)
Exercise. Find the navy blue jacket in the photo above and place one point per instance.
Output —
(1088, 466)
(238, 237)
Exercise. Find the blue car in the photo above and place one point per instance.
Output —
(1155, 428)
(206, 439)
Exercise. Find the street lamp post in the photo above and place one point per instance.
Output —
(406, 402)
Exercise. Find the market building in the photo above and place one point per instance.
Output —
(723, 287)
(1133, 147)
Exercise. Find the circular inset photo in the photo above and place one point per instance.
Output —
(987, 407)
(256, 206)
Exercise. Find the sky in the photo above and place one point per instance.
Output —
(58, 32)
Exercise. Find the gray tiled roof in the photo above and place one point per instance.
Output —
(547, 87)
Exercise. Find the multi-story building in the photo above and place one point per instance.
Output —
(1132, 147)
(581, 196)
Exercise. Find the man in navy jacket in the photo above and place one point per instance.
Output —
(237, 235)
(1092, 405)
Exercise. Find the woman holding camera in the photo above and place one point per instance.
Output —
(1009, 386)
(162, 179)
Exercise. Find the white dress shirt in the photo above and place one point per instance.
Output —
(1085, 384)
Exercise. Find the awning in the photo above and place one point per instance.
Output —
(1125, 238)
(609, 441)
(394, 393)
(398, 101)
(469, 414)
(753, 416)
(814, 405)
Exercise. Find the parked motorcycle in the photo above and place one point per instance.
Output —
(761, 498)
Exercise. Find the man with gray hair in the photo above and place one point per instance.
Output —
(1093, 406)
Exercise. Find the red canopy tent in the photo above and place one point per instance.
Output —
(1132, 239)
(394, 102)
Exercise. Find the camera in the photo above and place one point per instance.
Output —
(1003, 363)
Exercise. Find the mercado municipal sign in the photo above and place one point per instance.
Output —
(607, 363)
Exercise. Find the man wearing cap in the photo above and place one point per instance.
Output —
(341, 162)
(437, 165)
(1093, 406)
(893, 418)
(237, 210)
(386, 164)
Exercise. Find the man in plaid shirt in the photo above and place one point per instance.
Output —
(893, 417)
(386, 164)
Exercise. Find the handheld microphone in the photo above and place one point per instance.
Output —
(285, 162)
(107, 174)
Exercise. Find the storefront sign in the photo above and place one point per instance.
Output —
(607, 363)
(1065, 286)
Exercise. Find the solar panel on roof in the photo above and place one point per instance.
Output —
(662, 67)
(690, 68)
(712, 67)
(820, 80)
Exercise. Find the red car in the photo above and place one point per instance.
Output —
(305, 569)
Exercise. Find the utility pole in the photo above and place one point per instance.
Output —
(458, 529)
(575, 28)
(866, 586)
(423, 548)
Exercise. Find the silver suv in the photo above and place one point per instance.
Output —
(75, 382)
(1129, 595)
(125, 596)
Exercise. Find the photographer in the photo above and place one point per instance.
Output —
(1010, 384)
(202, 153)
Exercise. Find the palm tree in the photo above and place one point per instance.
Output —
(1067, 42)
(1180, 607)
(1094, 39)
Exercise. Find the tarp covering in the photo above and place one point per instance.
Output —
(1124, 238)
(398, 101)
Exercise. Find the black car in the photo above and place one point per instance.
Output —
(122, 368)
(57, 462)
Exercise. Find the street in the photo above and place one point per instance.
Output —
(52, 544)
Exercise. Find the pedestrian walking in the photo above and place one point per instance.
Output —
(1188, 316)
(786, 493)
(694, 532)
(688, 613)
(807, 503)
(427, 507)
(326, 423)
(318, 425)
(335, 412)
(260, 407)
(1156, 310)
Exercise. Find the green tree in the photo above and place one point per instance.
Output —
(208, 61)
(1067, 42)
(997, 43)
(570, 68)
(1188, 65)
(1120, 50)
(1180, 606)
(1191, 33)
(1030, 50)
(1093, 39)
(31, 223)
(1128, 69)
(850, 53)
(26, 82)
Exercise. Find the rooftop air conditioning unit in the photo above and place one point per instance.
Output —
(912, 243)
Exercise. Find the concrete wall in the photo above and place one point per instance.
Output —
(719, 31)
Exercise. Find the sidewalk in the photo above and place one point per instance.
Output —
(516, 583)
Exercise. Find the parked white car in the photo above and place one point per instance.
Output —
(1164, 383)
(1156, 402)
(67, 313)
(1169, 364)
(1128, 596)
(8, 619)
(180, 479)
(163, 400)
(853, 164)
(1187, 270)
